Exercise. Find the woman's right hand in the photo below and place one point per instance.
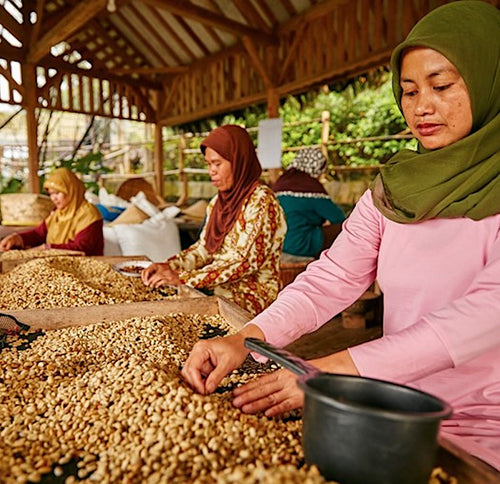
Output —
(211, 360)
(160, 274)
(10, 242)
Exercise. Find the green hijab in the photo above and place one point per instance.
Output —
(462, 179)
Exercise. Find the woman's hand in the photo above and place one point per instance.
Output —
(40, 247)
(160, 274)
(274, 394)
(12, 241)
(278, 392)
(211, 360)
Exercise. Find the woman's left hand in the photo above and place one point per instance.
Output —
(274, 394)
(40, 247)
(160, 274)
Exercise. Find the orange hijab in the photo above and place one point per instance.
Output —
(235, 145)
(64, 224)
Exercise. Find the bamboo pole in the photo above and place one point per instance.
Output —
(29, 101)
(325, 132)
(159, 159)
(182, 174)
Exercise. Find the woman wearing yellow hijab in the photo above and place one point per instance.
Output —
(74, 224)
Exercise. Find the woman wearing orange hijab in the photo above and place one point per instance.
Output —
(74, 224)
(238, 252)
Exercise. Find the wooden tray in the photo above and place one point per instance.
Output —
(192, 302)
(453, 460)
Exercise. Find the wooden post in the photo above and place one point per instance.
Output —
(325, 132)
(273, 112)
(182, 174)
(159, 159)
(29, 104)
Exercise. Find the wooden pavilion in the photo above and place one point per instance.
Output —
(168, 62)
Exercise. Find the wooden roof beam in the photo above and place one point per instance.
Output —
(38, 24)
(291, 52)
(318, 10)
(80, 14)
(252, 15)
(151, 70)
(259, 66)
(10, 24)
(207, 17)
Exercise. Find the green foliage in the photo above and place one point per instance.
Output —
(11, 185)
(364, 108)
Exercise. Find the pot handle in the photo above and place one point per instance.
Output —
(283, 357)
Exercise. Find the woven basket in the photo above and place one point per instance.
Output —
(24, 208)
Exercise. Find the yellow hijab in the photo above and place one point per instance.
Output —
(63, 224)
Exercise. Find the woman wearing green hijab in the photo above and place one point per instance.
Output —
(428, 231)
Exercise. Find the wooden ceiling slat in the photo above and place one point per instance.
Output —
(207, 17)
(252, 15)
(80, 15)
(268, 12)
(142, 36)
(312, 13)
(153, 33)
(192, 35)
(211, 32)
(170, 32)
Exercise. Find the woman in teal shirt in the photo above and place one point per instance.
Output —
(313, 220)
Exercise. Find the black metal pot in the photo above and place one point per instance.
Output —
(359, 430)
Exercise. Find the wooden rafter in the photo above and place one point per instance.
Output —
(80, 15)
(190, 32)
(252, 15)
(319, 10)
(157, 36)
(207, 17)
(268, 12)
(13, 84)
(8, 22)
(171, 32)
(39, 16)
(291, 51)
(151, 70)
(213, 34)
(257, 62)
(142, 37)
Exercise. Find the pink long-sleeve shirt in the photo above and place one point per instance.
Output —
(441, 284)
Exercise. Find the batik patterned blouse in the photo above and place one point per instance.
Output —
(246, 268)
